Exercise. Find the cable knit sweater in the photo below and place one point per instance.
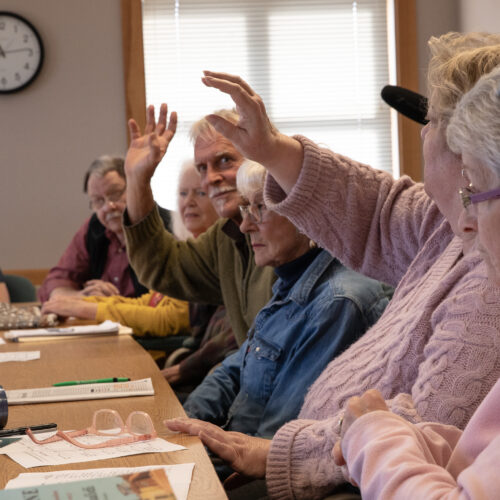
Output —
(434, 352)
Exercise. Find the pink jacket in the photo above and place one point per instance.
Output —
(392, 459)
(433, 353)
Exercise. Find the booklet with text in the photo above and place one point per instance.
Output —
(149, 484)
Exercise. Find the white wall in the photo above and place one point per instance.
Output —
(51, 131)
(480, 15)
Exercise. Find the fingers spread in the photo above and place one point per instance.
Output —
(133, 129)
(162, 119)
(150, 119)
(172, 123)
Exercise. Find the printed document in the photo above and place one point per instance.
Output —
(179, 476)
(29, 454)
(19, 356)
(143, 387)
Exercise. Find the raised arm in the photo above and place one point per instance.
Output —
(254, 135)
(143, 156)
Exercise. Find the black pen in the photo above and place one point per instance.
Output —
(22, 430)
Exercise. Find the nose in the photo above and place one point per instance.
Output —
(191, 197)
(212, 176)
(247, 225)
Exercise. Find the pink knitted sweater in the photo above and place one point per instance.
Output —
(433, 353)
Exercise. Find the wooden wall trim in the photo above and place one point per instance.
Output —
(410, 150)
(133, 62)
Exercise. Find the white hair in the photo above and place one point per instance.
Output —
(179, 229)
(202, 127)
(474, 127)
(250, 178)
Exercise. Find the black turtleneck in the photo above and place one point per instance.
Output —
(290, 272)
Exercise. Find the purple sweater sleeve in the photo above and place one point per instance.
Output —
(357, 213)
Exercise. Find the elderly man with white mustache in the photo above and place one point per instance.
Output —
(216, 268)
(95, 262)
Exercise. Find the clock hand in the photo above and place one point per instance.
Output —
(2, 53)
(16, 50)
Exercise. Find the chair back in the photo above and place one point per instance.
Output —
(20, 288)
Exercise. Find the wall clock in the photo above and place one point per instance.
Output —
(21, 52)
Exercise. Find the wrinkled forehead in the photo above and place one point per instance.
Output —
(210, 148)
(110, 181)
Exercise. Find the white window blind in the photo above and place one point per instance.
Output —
(319, 65)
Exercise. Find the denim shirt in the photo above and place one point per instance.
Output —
(262, 386)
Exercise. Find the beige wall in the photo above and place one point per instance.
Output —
(75, 111)
(52, 130)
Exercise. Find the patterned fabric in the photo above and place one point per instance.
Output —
(434, 353)
(12, 317)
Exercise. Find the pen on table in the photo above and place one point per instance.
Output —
(22, 430)
(96, 381)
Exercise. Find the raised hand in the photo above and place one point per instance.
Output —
(245, 454)
(146, 150)
(254, 135)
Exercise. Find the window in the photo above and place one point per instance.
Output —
(319, 65)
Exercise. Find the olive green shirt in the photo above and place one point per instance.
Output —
(216, 268)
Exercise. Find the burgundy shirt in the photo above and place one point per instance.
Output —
(73, 267)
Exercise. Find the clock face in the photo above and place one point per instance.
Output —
(21, 52)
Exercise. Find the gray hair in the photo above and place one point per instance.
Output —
(474, 127)
(202, 128)
(250, 178)
(102, 165)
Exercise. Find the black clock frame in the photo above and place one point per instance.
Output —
(42, 52)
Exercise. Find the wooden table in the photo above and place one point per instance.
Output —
(101, 357)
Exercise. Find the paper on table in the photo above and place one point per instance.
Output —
(143, 387)
(104, 328)
(29, 454)
(2, 341)
(19, 356)
(179, 476)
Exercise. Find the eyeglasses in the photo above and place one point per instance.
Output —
(256, 213)
(469, 197)
(138, 426)
(98, 203)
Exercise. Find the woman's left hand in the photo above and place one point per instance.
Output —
(356, 407)
(245, 454)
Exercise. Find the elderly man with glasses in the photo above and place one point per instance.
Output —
(96, 262)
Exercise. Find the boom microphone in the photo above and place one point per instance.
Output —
(406, 102)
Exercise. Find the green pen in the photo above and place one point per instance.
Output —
(96, 381)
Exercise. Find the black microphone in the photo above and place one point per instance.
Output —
(406, 102)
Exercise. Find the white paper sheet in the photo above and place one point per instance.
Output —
(19, 356)
(2, 341)
(103, 328)
(143, 387)
(29, 454)
(179, 476)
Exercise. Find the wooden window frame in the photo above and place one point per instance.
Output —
(410, 152)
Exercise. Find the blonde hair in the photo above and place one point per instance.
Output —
(458, 61)
(250, 178)
(474, 127)
(202, 128)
